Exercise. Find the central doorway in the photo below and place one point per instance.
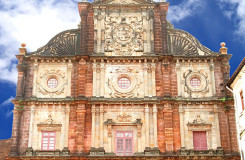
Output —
(124, 143)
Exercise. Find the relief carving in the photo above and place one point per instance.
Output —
(123, 34)
(45, 76)
(124, 117)
(198, 121)
(130, 73)
(197, 91)
(49, 125)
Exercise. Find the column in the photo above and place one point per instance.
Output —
(35, 68)
(216, 116)
(178, 78)
(102, 79)
(98, 72)
(69, 69)
(93, 110)
(99, 32)
(151, 21)
(147, 129)
(101, 126)
(109, 137)
(67, 117)
(97, 128)
(102, 21)
(145, 67)
(94, 78)
(32, 110)
(139, 136)
(182, 130)
(153, 77)
(155, 125)
(211, 67)
(145, 29)
(14, 150)
(149, 79)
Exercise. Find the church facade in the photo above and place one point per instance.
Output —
(126, 83)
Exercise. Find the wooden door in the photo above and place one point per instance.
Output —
(200, 140)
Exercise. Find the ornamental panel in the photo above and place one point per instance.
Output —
(123, 34)
(123, 81)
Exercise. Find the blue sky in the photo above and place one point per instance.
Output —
(36, 22)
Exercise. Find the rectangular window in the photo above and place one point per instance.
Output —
(200, 140)
(48, 141)
(242, 100)
(124, 143)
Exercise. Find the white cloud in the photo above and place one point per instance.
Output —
(235, 10)
(33, 22)
(7, 102)
(185, 9)
(6, 107)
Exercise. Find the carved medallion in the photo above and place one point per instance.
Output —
(123, 33)
(124, 82)
(45, 76)
(196, 82)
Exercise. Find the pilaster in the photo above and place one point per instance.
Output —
(15, 140)
(80, 127)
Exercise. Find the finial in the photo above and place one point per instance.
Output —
(23, 45)
(22, 50)
(223, 49)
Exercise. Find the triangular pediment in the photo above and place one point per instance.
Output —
(124, 2)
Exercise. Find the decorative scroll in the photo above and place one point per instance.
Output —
(183, 43)
(124, 117)
(65, 43)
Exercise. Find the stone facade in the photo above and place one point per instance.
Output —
(125, 83)
(236, 85)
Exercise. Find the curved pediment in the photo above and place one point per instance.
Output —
(183, 43)
(64, 43)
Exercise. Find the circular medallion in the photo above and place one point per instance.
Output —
(123, 33)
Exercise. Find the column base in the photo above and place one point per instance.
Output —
(152, 151)
(29, 151)
(139, 154)
(13, 154)
(97, 151)
(65, 151)
(183, 151)
(110, 154)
